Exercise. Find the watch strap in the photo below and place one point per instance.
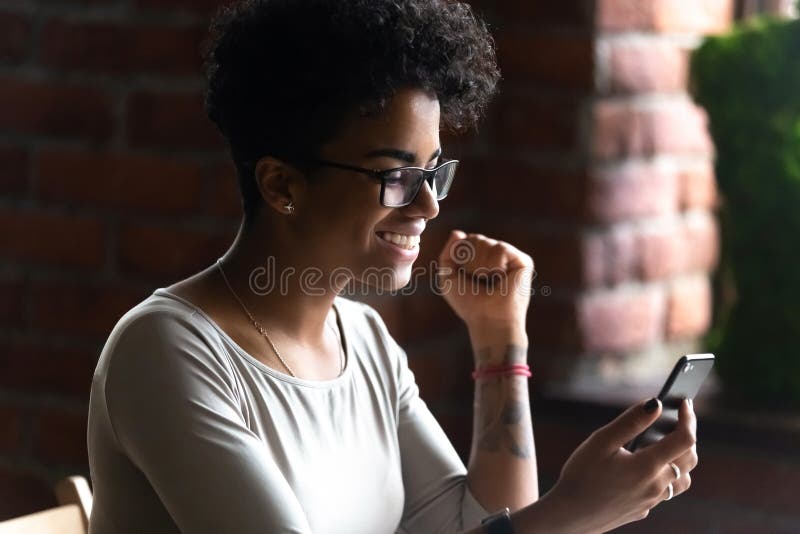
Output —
(498, 523)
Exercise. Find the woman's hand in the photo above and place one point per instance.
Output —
(603, 486)
(487, 282)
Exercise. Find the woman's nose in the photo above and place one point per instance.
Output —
(425, 204)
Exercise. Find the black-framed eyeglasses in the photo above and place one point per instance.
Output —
(400, 186)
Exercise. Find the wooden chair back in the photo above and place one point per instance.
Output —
(65, 519)
(71, 517)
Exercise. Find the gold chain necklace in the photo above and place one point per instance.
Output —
(264, 332)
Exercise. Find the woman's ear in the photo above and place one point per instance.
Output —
(280, 184)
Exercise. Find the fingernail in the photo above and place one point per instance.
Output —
(651, 405)
(691, 403)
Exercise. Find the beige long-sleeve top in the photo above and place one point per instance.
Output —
(188, 432)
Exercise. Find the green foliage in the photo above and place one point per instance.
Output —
(749, 82)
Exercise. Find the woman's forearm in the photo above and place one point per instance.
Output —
(502, 466)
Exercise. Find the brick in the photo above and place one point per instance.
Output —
(595, 252)
(154, 251)
(16, 30)
(631, 190)
(23, 492)
(625, 252)
(662, 251)
(170, 121)
(12, 302)
(79, 308)
(10, 430)
(568, 63)
(698, 186)
(689, 308)
(100, 47)
(701, 16)
(52, 108)
(621, 320)
(33, 368)
(623, 255)
(621, 15)
(702, 242)
(51, 238)
(698, 16)
(623, 129)
(646, 65)
(531, 123)
(14, 165)
(59, 438)
(114, 181)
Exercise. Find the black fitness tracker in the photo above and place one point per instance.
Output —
(499, 523)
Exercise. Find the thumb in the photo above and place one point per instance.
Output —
(629, 424)
(446, 255)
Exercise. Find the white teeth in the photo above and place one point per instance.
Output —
(405, 241)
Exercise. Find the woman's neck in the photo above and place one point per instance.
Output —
(278, 285)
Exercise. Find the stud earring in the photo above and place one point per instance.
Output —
(289, 207)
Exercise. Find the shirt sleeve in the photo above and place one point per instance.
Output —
(438, 499)
(175, 413)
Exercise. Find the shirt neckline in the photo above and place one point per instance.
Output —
(348, 352)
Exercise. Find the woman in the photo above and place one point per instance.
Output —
(246, 399)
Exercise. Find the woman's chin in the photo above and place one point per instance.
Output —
(387, 279)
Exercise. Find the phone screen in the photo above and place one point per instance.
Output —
(683, 383)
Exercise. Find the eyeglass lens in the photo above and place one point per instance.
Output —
(402, 185)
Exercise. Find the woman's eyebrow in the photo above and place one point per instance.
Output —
(402, 155)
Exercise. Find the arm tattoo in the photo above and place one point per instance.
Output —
(502, 409)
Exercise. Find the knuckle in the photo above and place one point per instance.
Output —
(655, 491)
(643, 514)
(527, 259)
(682, 484)
(654, 468)
(689, 439)
(597, 435)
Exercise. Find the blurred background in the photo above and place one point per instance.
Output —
(646, 153)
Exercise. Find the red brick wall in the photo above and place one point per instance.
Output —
(643, 238)
(595, 160)
(112, 183)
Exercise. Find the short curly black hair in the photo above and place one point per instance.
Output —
(283, 74)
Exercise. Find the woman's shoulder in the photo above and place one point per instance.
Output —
(159, 326)
(160, 311)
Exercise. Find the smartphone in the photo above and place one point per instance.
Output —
(683, 383)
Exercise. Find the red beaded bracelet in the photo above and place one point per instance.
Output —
(500, 370)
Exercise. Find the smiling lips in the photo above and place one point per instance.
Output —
(408, 242)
